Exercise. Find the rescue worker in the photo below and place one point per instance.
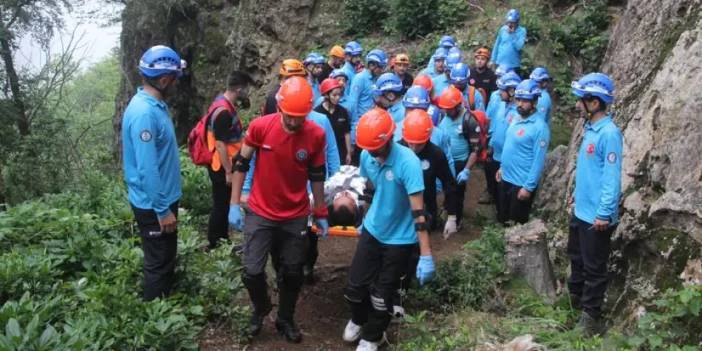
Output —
(290, 152)
(314, 64)
(340, 76)
(151, 165)
(597, 192)
(453, 124)
(400, 66)
(499, 122)
(459, 79)
(523, 156)
(416, 133)
(446, 42)
(481, 76)
(340, 120)
(441, 82)
(361, 95)
(393, 225)
(495, 110)
(510, 40)
(336, 61)
(540, 75)
(425, 82)
(388, 96)
(224, 134)
(436, 64)
(289, 68)
(353, 52)
(417, 97)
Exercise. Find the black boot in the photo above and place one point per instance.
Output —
(288, 329)
(258, 292)
(592, 326)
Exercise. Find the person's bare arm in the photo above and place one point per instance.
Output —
(318, 194)
(347, 140)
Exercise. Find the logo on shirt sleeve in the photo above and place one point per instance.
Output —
(612, 157)
(389, 176)
(542, 143)
(520, 132)
(145, 136)
(301, 155)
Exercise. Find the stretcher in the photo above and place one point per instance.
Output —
(349, 232)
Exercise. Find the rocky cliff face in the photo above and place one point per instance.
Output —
(655, 59)
(215, 37)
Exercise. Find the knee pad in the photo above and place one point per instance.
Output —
(354, 294)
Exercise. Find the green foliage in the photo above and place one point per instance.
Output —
(466, 280)
(585, 35)
(364, 16)
(451, 13)
(413, 18)
(197, 194)
(71, 277)
(674, 323)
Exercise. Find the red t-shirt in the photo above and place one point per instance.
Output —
(279, 190)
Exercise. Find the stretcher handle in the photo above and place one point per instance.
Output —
(339, 231)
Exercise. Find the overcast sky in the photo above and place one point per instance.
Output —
(97, 42)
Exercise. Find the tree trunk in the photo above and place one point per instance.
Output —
(18, 102)
(527, 256)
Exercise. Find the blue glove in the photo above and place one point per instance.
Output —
(322, 227)
(463, 176)
(235, 219)
(425, 269)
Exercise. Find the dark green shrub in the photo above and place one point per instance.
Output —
(365, 16)
(414, 18)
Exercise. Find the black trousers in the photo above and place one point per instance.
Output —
(460, 191)
(510, 207)
(159, 253)
(312, 249)
(218, 226)
(588, 250)
(490, 169)
(376, 274)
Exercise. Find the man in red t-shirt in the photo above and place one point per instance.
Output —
(289, 152)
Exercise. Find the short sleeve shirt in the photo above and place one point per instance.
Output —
(279, 190)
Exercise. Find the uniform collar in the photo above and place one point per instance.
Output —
(599, 124)
(530, 119)
(395, 107)
(391, 157)
(150, 99)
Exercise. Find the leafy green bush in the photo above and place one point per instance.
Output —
(585, 35)
(451, 13)
(413, 18)
(197, 192)
(365, 16)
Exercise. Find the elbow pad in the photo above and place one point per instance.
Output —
(317, 174)
(240, 163)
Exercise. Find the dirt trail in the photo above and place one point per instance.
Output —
(321, 311)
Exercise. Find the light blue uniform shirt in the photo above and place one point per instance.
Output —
(499, 129)
(494, 108)
(350, 73)
(360, 98)
(389, 218)
(397, 112)
(441, 83)
(523, 156)
(544, 106)
(508, 46)
(598, 172)
(150, 157)
(460, 149)
(479, 103)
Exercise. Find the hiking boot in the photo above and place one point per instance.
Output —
(364, 345)
(592, 326)
(256, 321)
(352, 332)
(289, 330)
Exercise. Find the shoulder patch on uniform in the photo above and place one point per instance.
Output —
(425, 165)
(301, 155)
(612, 157)
(542, 143)
(145, 136)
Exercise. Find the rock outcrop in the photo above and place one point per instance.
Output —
(655, 59)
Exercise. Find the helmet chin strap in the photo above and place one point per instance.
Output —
(587, 110)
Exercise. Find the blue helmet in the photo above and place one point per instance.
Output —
(378, 56)
(501, 70)
(447, 41)
(528, 89)
(594, 84)
(353, 48)
(387, 82)
(459, 74)
(338, 73)
(509, 80)
(539, 74)
(453, 57)
(416, 97)
(313, 58)
(512, 16)
(440, 54)
(161, 60)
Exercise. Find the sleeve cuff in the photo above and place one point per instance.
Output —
(163, 214)
(604, 218)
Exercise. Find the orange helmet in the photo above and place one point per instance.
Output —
(337, 51)
(485, 52)
(374, 129)
(292, 67)
(424, 81)
(402, 58)
(450, 98)
(417, 126)
(295, 97)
